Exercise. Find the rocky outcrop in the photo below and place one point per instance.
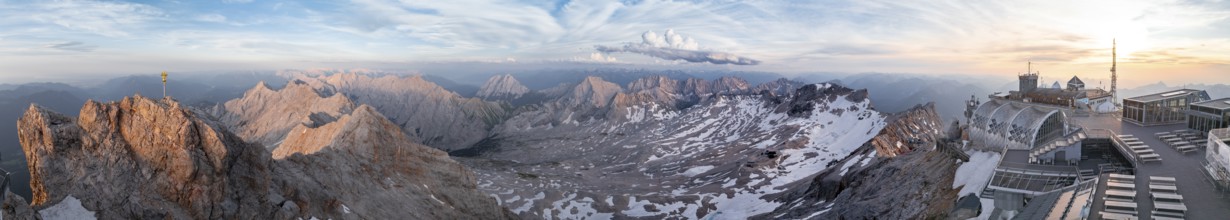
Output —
(594, 98)
(364, 164)
(16, 207)
(727, 157)
(729, 85)
(909, 130)
(913, 182)
(264, 115)
(425, 111)
(143, 158)
(593, 92)
(502, 87)
(781, 86)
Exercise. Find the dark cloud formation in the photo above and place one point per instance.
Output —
(72, 46)
(695, 56)
(671, 46)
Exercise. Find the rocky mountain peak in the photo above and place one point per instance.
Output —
(324, 132)
(814, 97)
(143, 158)
(781, 86)
(593, 92)
(428, 113)
(138, 151)
(729, 85)
(663, 83)
(264, 115)
(502, 87)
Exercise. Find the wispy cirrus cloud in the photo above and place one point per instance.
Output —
(109, 19)
(943, 36)
(71, 46)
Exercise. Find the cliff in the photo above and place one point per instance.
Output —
(884, 179)
(146, 158)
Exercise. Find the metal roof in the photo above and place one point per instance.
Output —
(1222, 103)
(1076, 80)
(1166, 95)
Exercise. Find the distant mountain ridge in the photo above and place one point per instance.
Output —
(502, 87)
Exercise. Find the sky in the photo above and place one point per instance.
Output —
(1175, 41)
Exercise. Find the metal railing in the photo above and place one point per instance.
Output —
(1119, 145)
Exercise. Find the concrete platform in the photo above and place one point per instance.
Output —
(1200, 198)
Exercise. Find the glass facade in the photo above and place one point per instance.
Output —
(1052, 128)
(1162, 111)
(1203, 119)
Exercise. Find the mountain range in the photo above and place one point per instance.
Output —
(365, 144)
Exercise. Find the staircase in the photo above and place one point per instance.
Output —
(1071, 139)
(987, 193)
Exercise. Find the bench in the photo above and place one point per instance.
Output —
(1177, 210)
(1117, 206)
(1151, 157)
(1121, 195)
(1185, 149)
(1121, 186)
(1167, 197)
(1122, 177)
(1117, 216)
(1158, 217)
(1162, 180)
(1156, 188)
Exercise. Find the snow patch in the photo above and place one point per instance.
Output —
(975, 174)
(697, 170)
(70, 208)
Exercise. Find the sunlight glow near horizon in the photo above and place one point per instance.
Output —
(1178, 41)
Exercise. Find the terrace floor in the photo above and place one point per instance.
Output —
(1202, 199)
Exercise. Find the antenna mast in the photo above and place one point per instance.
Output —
(1114, 78)
(164, 84)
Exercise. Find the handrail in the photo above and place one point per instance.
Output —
(1119, 145)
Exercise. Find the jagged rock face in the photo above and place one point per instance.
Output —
(264, 115)
(145, 158)
(502, 87)
(652, 95)
(592, 93)
(428, 113)
(729, 85)
(921, 180)
(364, 162)
(730, 153)
(781, 86)
(16, 207)
(908, 130)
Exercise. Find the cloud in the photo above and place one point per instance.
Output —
(601, 57)
(237, 1)
(111, 19)
(74, 46)
(672, 46)
(216, 18)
